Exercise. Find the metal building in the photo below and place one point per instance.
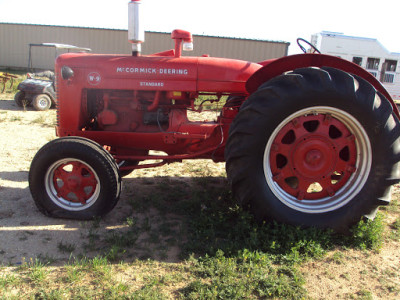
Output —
(15, 40)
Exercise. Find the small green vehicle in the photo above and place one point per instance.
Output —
(38, 89)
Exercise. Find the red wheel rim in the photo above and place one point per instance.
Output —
(72, 184)
(313, 156)
(78, 182)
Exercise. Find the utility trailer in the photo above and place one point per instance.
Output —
(308, 139)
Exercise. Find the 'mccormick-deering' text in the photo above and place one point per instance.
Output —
(161, 71)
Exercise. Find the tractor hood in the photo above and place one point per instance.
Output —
(206, 74)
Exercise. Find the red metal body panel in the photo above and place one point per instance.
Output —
(175, 74)
(134, 104)
(118, 81)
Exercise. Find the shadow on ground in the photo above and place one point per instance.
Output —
(150, 220)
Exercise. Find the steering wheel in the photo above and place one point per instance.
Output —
(309, 44)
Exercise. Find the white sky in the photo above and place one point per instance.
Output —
(282, 20)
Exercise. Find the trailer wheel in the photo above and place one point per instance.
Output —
(41, 102)
(19, 98)
(314, 147)
(74, 178)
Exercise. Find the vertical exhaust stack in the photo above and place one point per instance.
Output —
(135, 30)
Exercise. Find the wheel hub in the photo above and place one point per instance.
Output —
(73, 183)
(313, 157)
(42, 103)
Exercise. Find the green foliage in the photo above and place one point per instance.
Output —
(367, 234)
(395, 230)
(48, 295)
(247, 275)
(35, 270)
(151, 290)
(222, 225)
(241, 258)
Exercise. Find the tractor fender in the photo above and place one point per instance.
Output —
(278, 66)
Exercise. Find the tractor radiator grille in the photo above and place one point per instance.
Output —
(57, 100)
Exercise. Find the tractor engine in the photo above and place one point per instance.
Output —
(126, 111)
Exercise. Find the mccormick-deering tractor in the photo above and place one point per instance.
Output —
(308, 139)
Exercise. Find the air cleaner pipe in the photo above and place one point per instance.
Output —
(155, 103)
(135, 30)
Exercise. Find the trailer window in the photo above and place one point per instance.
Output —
(388, 71)
(388, 77)
(391, 65)
(357, 60)
(372, 63)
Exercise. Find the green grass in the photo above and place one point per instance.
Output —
(8, 280)
(249, 274)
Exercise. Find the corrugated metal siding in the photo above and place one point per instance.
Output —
(251, 50)
(15, 40)
(157, 42)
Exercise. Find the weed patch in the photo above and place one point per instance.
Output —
(247, 275)
(367, 234)
(395, 230)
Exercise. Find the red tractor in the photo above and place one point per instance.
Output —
(308, 139)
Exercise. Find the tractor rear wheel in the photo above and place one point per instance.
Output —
(74, 178)
(314, 147)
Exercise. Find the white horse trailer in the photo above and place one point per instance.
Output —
(368, 53)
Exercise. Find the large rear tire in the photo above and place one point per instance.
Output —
(314, 147)
(74, 178)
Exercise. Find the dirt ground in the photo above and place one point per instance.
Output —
(25, 232)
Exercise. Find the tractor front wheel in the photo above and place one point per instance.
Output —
(314, 147)
(74, 178)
